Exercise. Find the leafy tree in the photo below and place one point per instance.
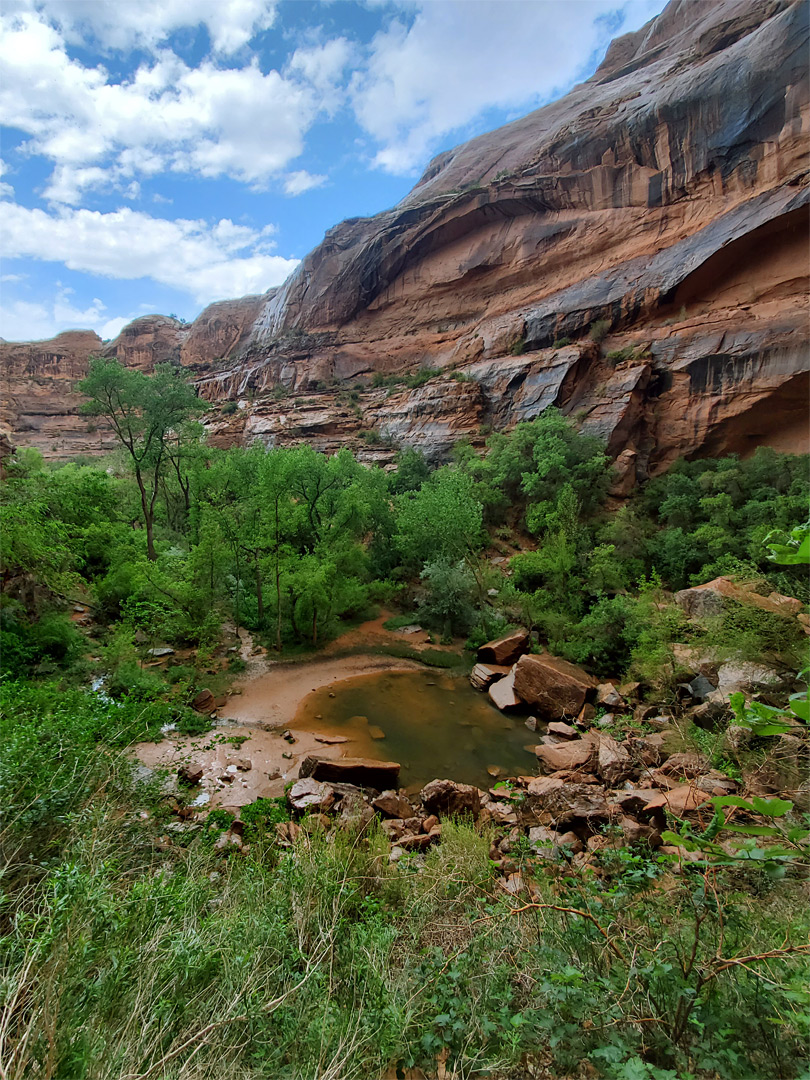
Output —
(147, 415)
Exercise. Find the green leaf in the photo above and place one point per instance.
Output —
(800, 706)
(772, 807)
(754, 830)
(731, 800)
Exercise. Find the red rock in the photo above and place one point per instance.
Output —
(551, 686)
(566, 731)
(448, 797)
(310, 794)
(483, 675)
(364, 772)
(614, 764)
(190, 773)
(204, 702)
(607, 694)
(680, 800)
(505, 650)
(688, 765)
(566, 801)
(502, 694)
(393, 805)
(579, 754)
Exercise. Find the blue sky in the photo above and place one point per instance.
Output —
(157, 155)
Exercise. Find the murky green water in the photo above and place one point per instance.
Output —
(434, 725)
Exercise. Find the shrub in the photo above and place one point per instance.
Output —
(599, 330)
(229, 408)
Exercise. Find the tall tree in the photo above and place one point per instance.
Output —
(147, 414)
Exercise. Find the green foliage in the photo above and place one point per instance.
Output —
(448, 603)
(599, 330)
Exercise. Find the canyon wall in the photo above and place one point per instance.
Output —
(635, 253)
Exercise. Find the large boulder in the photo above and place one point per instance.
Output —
(614, 764)
(309, 794)
(505, 650)
(564, 801)
(502, 694)
(711, 598)
(575, 754)
(448, 797)
(364, 772)
(551, 686)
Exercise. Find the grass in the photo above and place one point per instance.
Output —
(132, 947)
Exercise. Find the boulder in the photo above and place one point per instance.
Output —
(576, 754)
(364, 772)
(688, 765)
(565, 731)
(204, 702)
(505, 650)
(647, 750)
(418, 841)
(448, 797)
(744, 675)
(310, 794)
(502, 694)
(190, 773)
(607, 694)
(564, 801)
(614, 764)
(483, 675)
(680, 800)
(634, 832)
(710, 599)
(393, 805)
(553, 687)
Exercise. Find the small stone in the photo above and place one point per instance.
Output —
(531, 723)
(190, 774)
(376, 732)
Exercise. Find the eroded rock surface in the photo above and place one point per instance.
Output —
(667, 196)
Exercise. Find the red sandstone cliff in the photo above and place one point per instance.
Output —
(667, 196)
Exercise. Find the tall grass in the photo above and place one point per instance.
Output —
(132, 948)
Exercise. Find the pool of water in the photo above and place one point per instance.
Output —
(434, 725)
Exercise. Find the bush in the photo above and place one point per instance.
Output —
(599, 330)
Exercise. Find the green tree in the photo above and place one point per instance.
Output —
(147, 415)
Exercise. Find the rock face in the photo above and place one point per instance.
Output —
(552, 686)
(667, 196)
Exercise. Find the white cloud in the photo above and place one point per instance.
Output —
(458, 59)
(209, 120)
(23, 320)
(208, 262)
(6, 190)
(296, 183)
(127, 24)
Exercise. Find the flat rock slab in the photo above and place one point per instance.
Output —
(483, 675)
(505, 650)
(555, 688)
(364, 772)
(502, 693)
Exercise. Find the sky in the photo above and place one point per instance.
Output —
(157, 155)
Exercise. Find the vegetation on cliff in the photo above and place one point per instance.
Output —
(134, 945)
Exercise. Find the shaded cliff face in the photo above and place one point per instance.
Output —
(666, 196)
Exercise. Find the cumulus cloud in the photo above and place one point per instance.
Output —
(24, 320)
(455, 60)
(296, 183)
(208, 120)
(6, 190)
(208, 262)
(146, 23)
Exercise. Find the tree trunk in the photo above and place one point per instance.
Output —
(148, 517)
(259, 593)
(278, 605)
